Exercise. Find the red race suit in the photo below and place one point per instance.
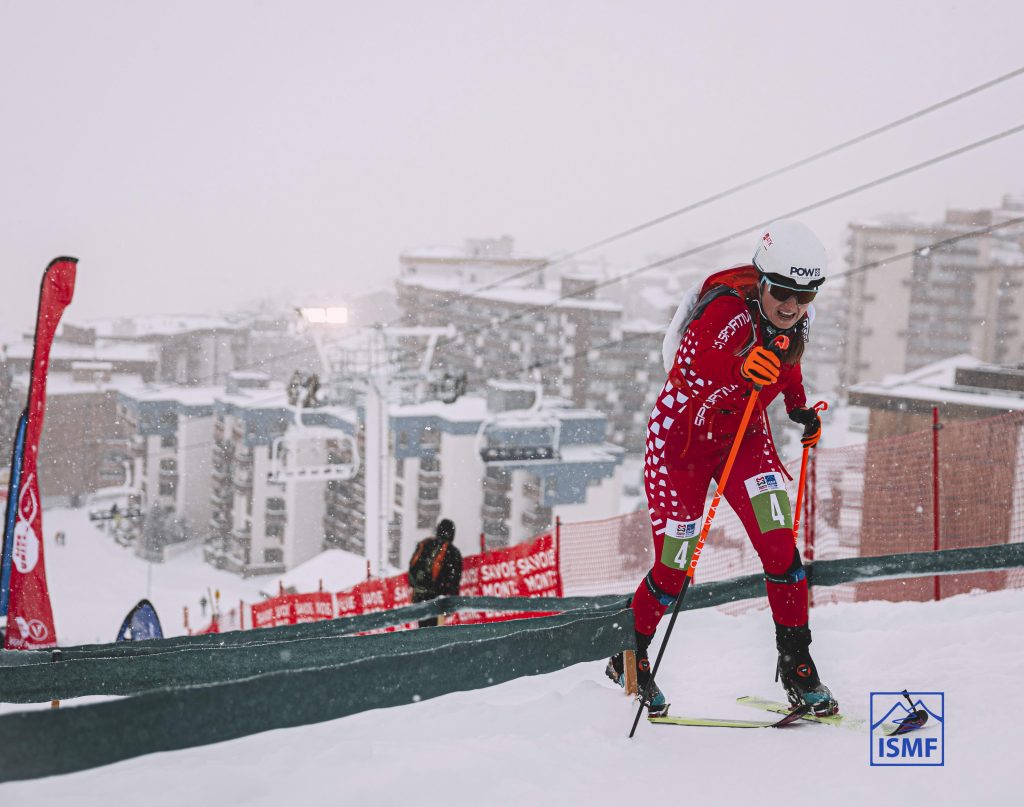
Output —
(689, 436)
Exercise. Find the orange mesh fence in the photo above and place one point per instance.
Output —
(872, 499)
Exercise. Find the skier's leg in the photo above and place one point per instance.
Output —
(676, 499)
(675, 494)
(757, 493)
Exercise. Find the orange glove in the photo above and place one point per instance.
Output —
(808, 418)
(761, 367)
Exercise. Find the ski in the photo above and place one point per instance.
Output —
(790, 717)
(784, 708)
(908, 724)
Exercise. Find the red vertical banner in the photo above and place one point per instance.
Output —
(30, 617)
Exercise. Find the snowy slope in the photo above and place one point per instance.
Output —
(560, 739)
(94, 582)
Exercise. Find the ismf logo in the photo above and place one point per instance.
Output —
(767, 482)
(685, 529)
(767, 238)
(908, 728)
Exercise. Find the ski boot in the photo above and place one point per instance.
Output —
(799, 674)
(656, 703)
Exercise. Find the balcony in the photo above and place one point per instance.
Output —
(429, 478)
(496, 535)
(537, 521)
(242, 479)
(428, 509)
(495, 512)
(494, 484)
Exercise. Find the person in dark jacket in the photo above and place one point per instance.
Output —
(435, 569)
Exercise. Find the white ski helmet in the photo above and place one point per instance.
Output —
(789, 254)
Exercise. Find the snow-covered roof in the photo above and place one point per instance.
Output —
(336, 568)
(466, 409)
(936, 383)
(249, 398)
(101, 351)
(158, 325)
(187, 396)
(59, 382)
(512, 295)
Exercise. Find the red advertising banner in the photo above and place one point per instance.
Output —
(476, 617)
(29, 615)
(379, 594)
(312, 607)
(524, 570)
(291, 609)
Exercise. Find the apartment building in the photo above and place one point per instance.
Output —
(934, 303)
(170, 433)
(578, 346)
(192, 350)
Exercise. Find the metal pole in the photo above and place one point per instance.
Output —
(936, 534)
(810, 506)
(558, 554)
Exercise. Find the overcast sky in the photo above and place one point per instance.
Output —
(196, 155)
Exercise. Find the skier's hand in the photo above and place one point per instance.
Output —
(808, 418)
(761, 367)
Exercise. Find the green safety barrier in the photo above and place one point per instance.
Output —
(54, 741)
(74, 677)
(343, 626)
(189, 691)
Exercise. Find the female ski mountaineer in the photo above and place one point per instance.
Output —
(716, 349)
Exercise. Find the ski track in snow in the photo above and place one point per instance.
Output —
(561, 739)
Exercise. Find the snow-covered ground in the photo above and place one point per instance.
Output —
(94, 582)
(560, 739)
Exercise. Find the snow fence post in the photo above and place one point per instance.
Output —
(936, 533)
(558, 554)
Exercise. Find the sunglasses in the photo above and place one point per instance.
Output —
(782, 293)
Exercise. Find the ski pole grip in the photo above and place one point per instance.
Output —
(779, 344)
(821, 406)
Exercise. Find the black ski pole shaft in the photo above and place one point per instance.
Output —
(661, 652)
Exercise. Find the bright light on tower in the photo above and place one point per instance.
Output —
(332, 315)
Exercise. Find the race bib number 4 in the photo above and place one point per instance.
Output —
(768, 497)
(680, 541)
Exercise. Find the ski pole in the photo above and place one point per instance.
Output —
(820, 406)
(780, 343)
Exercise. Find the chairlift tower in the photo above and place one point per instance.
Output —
(374, 367)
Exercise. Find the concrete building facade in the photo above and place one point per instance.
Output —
(932, 304)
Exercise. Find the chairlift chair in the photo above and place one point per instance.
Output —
(287, 447)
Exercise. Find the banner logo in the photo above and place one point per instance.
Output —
(908, 729)
(32, 629)
(25, 551)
